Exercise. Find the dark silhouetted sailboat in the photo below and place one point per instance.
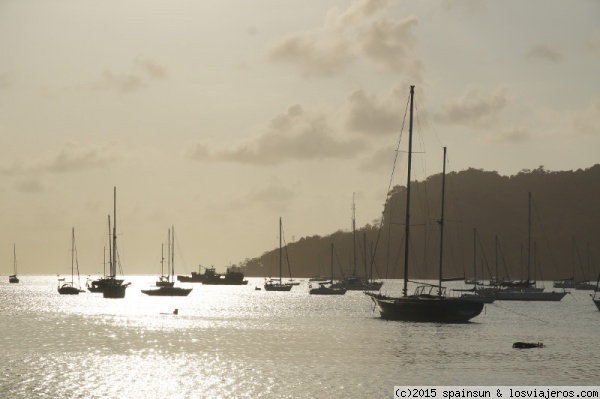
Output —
(111, 286)
(529, 292)
(14, 279)
(429, 303)
(169, 290)
(273, 284)
(328, 287)
(69, 287)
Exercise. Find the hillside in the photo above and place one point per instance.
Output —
(565, 229)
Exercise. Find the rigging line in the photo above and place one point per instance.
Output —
(389, 189)
(487, 265)
(519, 313)
(547, 241)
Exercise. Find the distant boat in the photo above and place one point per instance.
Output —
(69, 287)
(14, 279)
(169, 290)
(277, 285)
(594, 299)
(354, 282)
(528, 292)
(165, 279)
(328, 287)
(429, 303)
(232, 276)
(477, 293)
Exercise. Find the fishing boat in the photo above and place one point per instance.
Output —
(110, 285)
(429, 302)
(274, 284)
(328, 287)
(232, 276)
(166, 289)
(14, 279)
(529, 291)
(69, 287)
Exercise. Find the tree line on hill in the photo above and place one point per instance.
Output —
(485, 231)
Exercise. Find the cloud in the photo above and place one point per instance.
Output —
(587, 122)
(348, 36)
(29, 186)
(389, 43)
(70, 158)
(151, 68)
(380, 160)
(544, 52)
(474, 108)
(275, 195)
(592, 44)
(369, 114)
(513, 136)
(294, 135)
(469, 5)
(4, 80)
(143, 71)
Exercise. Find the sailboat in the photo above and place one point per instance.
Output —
(355, 283)
(169, 290)
(14, 279)
(529, 292)
(594, 299)
(110, 285)
(68, 287)
(328, 287)
(429, 303)
(165, 280)
(477, 293)
(277, 285)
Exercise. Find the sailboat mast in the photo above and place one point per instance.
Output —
(168, 253)
(113, 271)
(72, 251)
(353, 237)
(442, 223)
(280, 250)
(15, 258)
(474, 255)
(331, 263)
(529, 241)
(162, 259)
(173, 253)
(407, 227)
(110, 249)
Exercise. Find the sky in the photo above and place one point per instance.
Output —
(217, 117)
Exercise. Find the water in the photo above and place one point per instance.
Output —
(235, 342)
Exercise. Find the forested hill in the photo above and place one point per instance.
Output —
(485, 230)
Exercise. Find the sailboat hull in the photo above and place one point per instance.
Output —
(427, 309)
(168, 291)
(597, 303)
(277, 287)
(529, 296)
(68, 289)
(114, 291)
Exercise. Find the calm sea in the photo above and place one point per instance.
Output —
(236, 342)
